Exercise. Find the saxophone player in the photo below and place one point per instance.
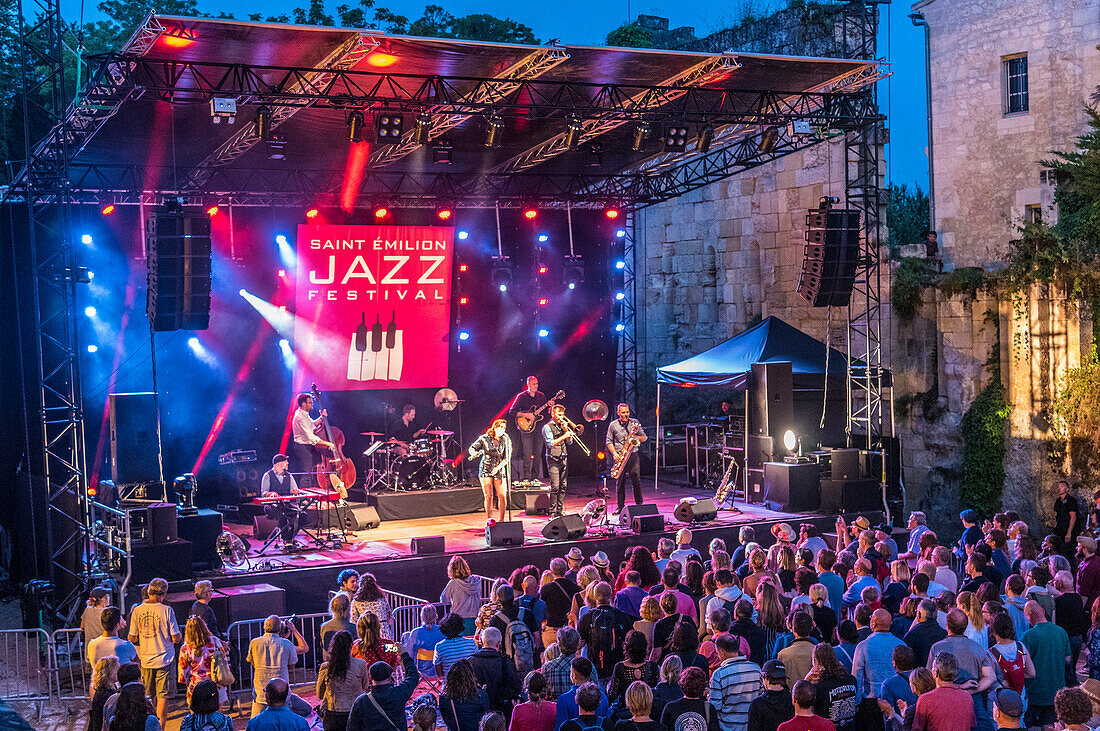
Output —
(619, 432)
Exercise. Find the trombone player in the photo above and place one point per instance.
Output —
(557, 433)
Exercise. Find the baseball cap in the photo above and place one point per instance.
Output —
(98, 593)
(1086, 542)
(775, 670)
(1009, 703)
(380, 671)
(279, 458)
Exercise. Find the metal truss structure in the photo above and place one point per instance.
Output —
(54, 420)
(626, 357)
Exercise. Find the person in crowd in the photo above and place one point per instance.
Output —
(897, 588)
(1092, 644)
(154, 631)
(769, 613)
(971, 535)
(558, 595)
(925, 632)
(558, 671)
(971, 606)
(496, 672)
(918, 526)
(873, 663)
(896, 693)
(197, 654)
(758, 562)
(804, 579)
(272, 655)
(773, 706)
(1038, 590)
(131, 713)
(602, 565)
(204, 592)
(588, 697)
(804, 696)
(104, 684)
(685, 644)
(629, 599)
(204, 715)
(91, 618)
(383, 705)
(109, 643)
(972, 662)
(693, 706)
(668, 686)
(369, 598)
(651, 614)
(1073, 709)
(798, 657)
(1070, 615)
(948, 707)
(1048, 645)
(641, 560)
(1013, 602)
(1088, 571)
(1067, 515)
(129, 672)
(905, 617)
(663, 629)
(743, 626)
(670, 584)
(864, 579)
(635, 666)
(745, 570)
(425, 717)
(810, 537)
(462, 594)
(537, 713)
(639, 701)
(734, 685)
(683, 549)
(1008, 709)
(693, 579)
(826, 561)
(1013, 662)
(463, 701)
(728, 589)
(745, 535)
(423, 639)
(347, 583)
(521, 646)
(340, 680)
(837, 696)
(716, 545)
(493, 721)
(665, 547)
(372, 646)
(529, 600)
(568, 706)
(454, 646)
(848, 635)
(339, 609)
(821, 611)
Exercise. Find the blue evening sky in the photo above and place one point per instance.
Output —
(585, 22)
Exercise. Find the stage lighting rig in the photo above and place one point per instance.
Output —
(502, 273)
(573, 271)
(768, 139)
(355, 124)
(223, 108)
(641, 136)
(573, 133)
(441, 152)
(276, 146)
(263, 122)
(422, 129)
(675, 138)
(494, 130)
(706, 137)
(388, 127)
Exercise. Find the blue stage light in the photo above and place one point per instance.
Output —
(86, 239)
(619, 233)
(93, 348)
(544, 333)
(619, 327)
(89, 311)
(543, 238)
(620, 296)
(281, 240)
(193, 343)
(620, 264)
(463, 336)
(463, 235)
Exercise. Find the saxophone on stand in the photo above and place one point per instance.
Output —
(621, 458)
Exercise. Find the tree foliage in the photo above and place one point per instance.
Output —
(1076, 409)
(983, 452)
(630, 35)
(906, 215)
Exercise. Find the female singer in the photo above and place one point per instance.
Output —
(495, 449)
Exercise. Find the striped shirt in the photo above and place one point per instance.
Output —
(448, 652)
(733, 686)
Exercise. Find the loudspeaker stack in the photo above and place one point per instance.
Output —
(830, 258)
(178, 260)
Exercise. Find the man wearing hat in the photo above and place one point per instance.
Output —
(574, 559)
(278, 482)
(383, 706)
(1008, 709)
(602, 562)
(91, 620)
(844, 532)
(774, 705)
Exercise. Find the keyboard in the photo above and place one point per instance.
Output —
(327, 497)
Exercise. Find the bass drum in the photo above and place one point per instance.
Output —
(411, 473)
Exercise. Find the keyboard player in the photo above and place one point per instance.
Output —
(278, 482)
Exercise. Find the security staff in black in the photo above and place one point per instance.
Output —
(557, 436)
(618, 432)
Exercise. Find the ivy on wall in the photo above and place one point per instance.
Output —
(983, 453)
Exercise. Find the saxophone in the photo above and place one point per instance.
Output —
(726, 485)
(632, 443)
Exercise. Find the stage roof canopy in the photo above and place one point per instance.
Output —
(730, 363)
(145, 127)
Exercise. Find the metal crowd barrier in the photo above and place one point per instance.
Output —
(25, 661)
(72, 675)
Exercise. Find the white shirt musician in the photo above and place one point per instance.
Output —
(618, 433)
(495, 450)
(306, 440)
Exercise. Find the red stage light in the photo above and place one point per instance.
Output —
(312, 213)
(530, 213)
(108, 209)
(463, 300)
(282, 272)
(543, 302)
(601, 455)
(543, 270)
(92, 490)
(212, 211)
(176, 41)
(611, 213)
(463, 268)
(381, 60)
(444, 214)
(381, 212)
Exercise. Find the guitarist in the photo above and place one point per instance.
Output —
(618, 432)
(495, 450)
(306, 441)
(525, 402)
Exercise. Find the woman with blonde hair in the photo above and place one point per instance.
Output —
(975, 629)
(371, 645)
(651, 613)
(587, 578)
(823, 615)
(104, 684)
(787, 567)
(462, 593)
(898, 587)
(196, 654)
(494, 447)
(639, 701)
(668, 687)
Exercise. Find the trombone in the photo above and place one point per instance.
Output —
(575, 430)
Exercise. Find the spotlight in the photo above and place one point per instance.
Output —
(620, 232)
(93, 348)
(284, 343)
(381, 213)
(441, 152)
(543, 332)
(503, 287)
(355, 126)
(444, 214)
(675, 138)
(530, 213)
(312, 213)
(242, 292)
(212, 211)
(619, 327)
(573, 271)
(463, 300)
(768, 139)
(501, 275)
(281, 273)
(281, 240)
(790, 440)
(263, 122)
(620, 296)
(573, 133)
(706, 137)
(620, 265)
(543, 301)
(193, 343)
(381, 60)
(601, 456)
(463, 335)
(276, 146)
(462, 236)
(611, 213)
(494, 131)
(223, 108)
(544, 269)
(422, 129)
(108, 209)
(463, 268)
(572, 285)
(593, 154)
(641, 136)
(388, 127)
(86, 239)
(89, 311)
(543, 238)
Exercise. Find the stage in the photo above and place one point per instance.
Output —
(306, 577)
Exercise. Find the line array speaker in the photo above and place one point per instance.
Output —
(178, 261)
(830, 257)
(771, 405)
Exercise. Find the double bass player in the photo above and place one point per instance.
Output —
(306, 440)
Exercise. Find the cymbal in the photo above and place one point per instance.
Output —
(440, 433)
(371, 434)
(445, 400)
(397, 441)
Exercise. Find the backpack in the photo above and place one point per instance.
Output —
(519, 642)
(602, 651)
(1013, 671)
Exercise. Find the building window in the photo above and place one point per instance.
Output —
(1015, 83)
(1033, 214)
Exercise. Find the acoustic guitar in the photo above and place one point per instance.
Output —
(526, 420)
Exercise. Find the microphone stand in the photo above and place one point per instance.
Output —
(508, 480)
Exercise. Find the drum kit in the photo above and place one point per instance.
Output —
(419, 464)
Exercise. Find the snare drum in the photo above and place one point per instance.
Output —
(411, 472)
(421, 447)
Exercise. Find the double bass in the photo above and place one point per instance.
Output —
(334, 470)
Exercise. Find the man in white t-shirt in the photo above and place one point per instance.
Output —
(109, 643)
(154, 630)
(683, 548)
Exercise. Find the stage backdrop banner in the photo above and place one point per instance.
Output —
(373, 305)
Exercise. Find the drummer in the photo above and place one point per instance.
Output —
(404, 430)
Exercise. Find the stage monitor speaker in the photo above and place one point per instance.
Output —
(262, 527)
(771, 400)
(250, 601)
(830, 257)
(135, 438)
(178, 261)
(566, 528)
(699, 511)
(171, 561)
(845, 464)
(202, 529)
(647, 523)
(504, 533)
(536, 503)
(427, 544)
(361, 517)
(630, 512)
(850, 496)
(162, 523)
(793, 487)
